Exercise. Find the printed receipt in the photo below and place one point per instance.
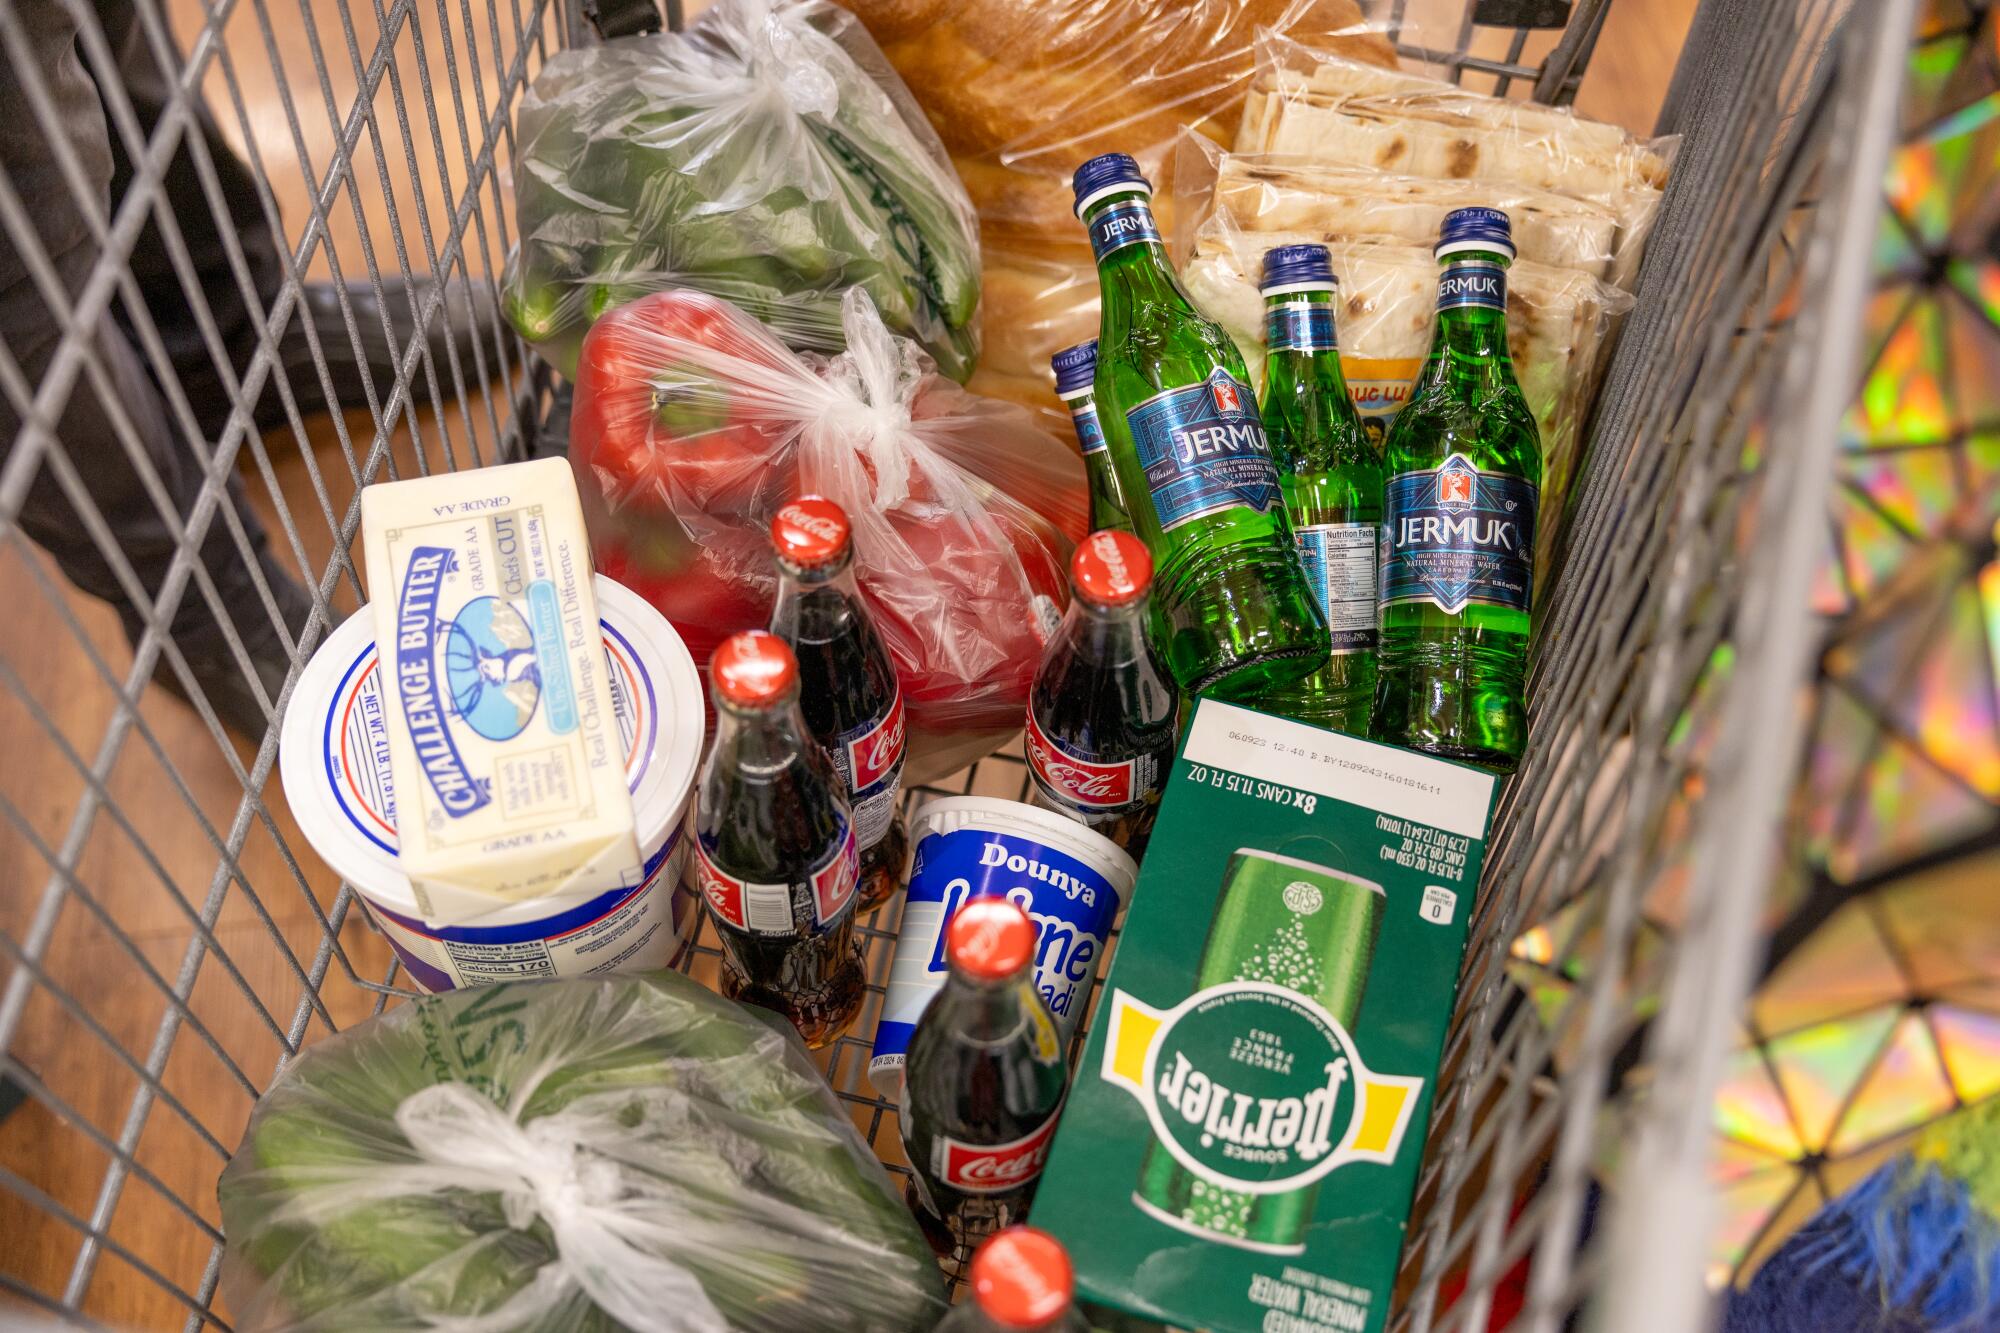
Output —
(509, 771)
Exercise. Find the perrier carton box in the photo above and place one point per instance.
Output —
(1240, 1147)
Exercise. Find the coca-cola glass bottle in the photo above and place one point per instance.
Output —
(1021, 1282)
(1100, 738)
(848, 688)
(985, 1079)
(774, 849)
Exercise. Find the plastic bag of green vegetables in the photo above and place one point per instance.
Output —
(768, 156)
(627, 1153)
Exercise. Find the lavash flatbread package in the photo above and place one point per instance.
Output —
(1323, 108)
(1271, 193)
(1557, 320)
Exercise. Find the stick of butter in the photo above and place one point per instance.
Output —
(509, 768)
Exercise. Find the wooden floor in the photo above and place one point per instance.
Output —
(95, 1015)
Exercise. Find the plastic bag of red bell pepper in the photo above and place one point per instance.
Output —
(693, 424)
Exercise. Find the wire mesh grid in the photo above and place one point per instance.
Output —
(142, 1015)
(1003, 775)
(1494, 38)
(173, 949)
(1663, 722)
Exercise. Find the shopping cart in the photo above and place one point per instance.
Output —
(169, 941)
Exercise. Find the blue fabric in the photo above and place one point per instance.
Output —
(1905, 1251)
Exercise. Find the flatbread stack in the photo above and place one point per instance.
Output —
(1557, 321)
(1273, 194)
(1368, 161)
(1345, 114)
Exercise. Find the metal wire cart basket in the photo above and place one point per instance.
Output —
(1666, 851)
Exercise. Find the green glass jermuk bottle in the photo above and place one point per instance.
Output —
(1464, 468)
(1331, 476)
(1233, 613)
(1076, 373)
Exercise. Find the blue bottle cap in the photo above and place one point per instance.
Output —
(1075, 367)
(1111, 173)
(1476, 229)
(1298, 268)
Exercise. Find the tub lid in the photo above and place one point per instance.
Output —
(946, 814)
(334, 761)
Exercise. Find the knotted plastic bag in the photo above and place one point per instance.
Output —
(768, 155)
(627, 1153)
(693, 425)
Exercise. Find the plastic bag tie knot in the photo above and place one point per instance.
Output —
(547, 1169)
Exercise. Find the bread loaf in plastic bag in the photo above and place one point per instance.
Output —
(1271, 193)
(1022, 92)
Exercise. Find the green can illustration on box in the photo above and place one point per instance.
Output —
(1247, 1124)
(1242, 1137)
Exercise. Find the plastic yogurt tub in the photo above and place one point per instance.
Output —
(335, 765)
(1072, 881)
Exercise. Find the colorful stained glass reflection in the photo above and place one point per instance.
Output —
(1879, 1012)
(1876, 1023)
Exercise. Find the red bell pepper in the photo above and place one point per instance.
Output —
(689, 430)
(659, 421)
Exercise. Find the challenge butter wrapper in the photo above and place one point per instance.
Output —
(1240, 1146)
(508, 764)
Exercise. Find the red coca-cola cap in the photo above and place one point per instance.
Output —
(1111, 568)
(753, 669)
(1021, 1278)
(989, 938)
(810, 532)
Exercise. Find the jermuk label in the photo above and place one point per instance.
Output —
(1129, 223)
(1455, 536)
(1204, 450)
(1300, 326)
(1483, 285)
(1089, 430)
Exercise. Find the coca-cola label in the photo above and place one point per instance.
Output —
(875, 749)
(1071, 780)
(973, 1168)
(870, 760)
(767, 909)
(737, 902)
(833, 883)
